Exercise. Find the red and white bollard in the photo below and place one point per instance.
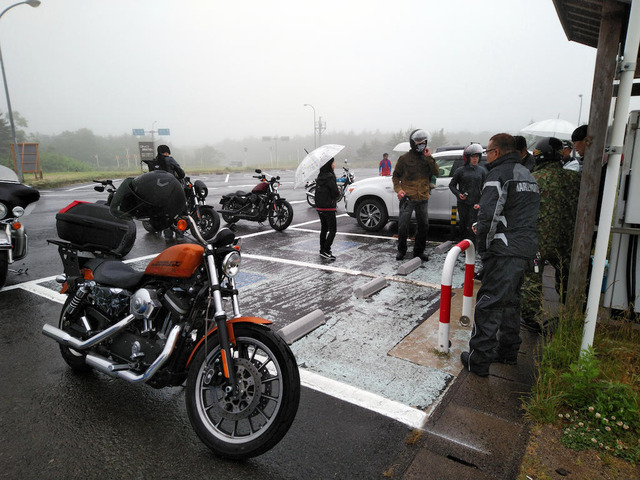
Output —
(445, 291)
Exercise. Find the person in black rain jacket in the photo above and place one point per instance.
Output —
(326, 196)
(466, 185)
(507, 243)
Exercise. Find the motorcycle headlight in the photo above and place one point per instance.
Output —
(201, 189)
(18, 211)
(3, 210)
(231, 264)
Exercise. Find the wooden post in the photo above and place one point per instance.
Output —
(611, 25)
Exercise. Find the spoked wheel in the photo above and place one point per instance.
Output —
(74, 358)
(209, 222)
(253, 421)
(281, 216)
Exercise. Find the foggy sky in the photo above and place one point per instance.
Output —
(210, 70)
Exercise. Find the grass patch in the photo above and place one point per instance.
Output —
(593, 396)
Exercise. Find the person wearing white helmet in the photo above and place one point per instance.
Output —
(411, 179)
(466, 185)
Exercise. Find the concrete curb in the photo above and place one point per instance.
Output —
(302, 326)
(370, 288)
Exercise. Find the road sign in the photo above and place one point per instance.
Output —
(138, 132)
(163, 131)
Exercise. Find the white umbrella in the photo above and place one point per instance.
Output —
(402, 147)
(553, 127)
(311, 164)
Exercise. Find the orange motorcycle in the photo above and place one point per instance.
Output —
(178, 322)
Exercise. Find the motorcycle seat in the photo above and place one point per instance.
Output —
(114, 273)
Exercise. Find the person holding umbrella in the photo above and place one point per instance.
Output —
(326, 196)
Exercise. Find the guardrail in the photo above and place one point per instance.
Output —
(445, 291)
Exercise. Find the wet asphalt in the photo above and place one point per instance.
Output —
(58, 424)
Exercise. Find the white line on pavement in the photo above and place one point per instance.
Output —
(410, 416)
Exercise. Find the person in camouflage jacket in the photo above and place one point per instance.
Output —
(559, 191)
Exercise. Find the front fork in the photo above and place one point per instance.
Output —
(220, 317)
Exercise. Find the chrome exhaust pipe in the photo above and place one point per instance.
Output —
(104, 365)
(64, 338)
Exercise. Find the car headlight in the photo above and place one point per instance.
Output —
(3, 210)
(231, 264)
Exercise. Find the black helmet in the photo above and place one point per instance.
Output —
(547, 149)
(155, 195)
(473, 149)
(416, 137)
(163, 149)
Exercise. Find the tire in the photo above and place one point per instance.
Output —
(230, 205)
(4, 267)
(128, 245)
(209, 222)
(148, 227)
(281, 216)
(74, 358)
(311, 196)
(371, 214)
(270, 392)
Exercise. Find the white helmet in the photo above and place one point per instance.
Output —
(417, 137)
(473, 149)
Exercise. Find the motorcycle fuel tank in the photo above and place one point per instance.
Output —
(179, 261)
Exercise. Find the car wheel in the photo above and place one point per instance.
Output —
(371, 214)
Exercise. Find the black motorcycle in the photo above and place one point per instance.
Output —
(343, 182)
(16, 200)
(205, 215)
(262, 203)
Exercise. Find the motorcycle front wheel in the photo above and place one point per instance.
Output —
(268, 384)
(209, 222)
(281, 216)
(4, 267)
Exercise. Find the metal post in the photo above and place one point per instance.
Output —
(580, 111)
(626, 67)
(34, 4)
(315, 145)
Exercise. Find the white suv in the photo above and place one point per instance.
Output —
(373, 203)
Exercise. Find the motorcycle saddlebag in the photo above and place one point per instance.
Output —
(91, 227)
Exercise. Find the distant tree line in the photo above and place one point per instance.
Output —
(83, 150)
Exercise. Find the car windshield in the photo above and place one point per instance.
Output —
(446, 164)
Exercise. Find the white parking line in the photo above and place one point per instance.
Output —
(410, 416)
(404, 414)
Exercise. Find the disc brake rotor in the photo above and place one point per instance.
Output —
(242, 405)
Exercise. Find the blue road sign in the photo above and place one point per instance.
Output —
(138, 132)
(163, 131)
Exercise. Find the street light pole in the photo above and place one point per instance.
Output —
(315, 145)
(34, 4)
(580, 111)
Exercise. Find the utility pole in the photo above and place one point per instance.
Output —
(322, 126)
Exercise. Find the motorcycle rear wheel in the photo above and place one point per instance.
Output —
(311, 196)
(227, 217)
(269, 385)
(74, 358)
(148, 227)
(281, 216)
(209, 222)
(4, 267)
